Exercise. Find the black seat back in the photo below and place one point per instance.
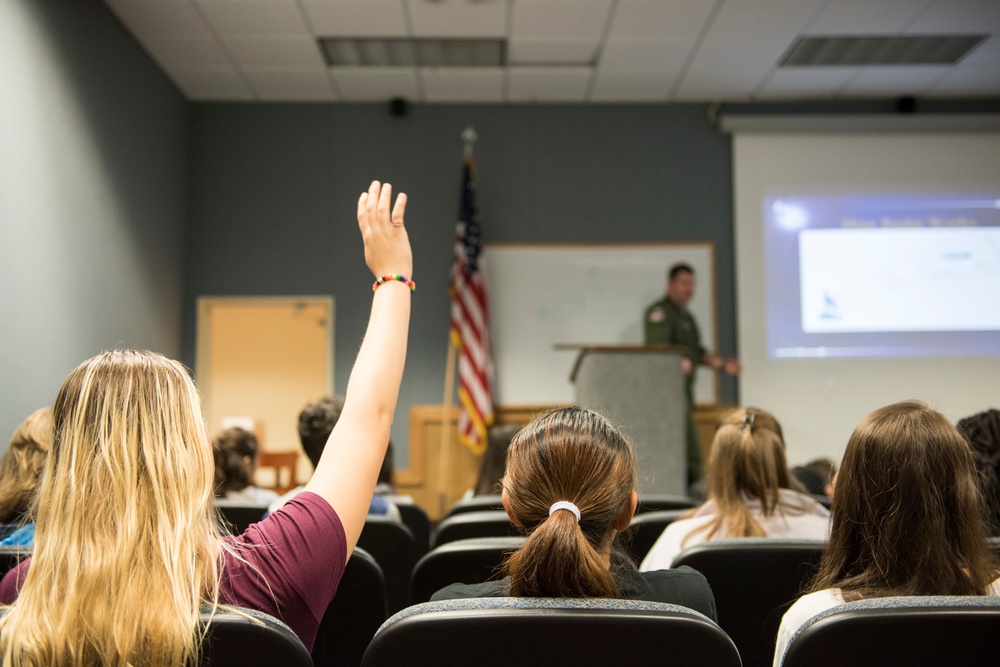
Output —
(646, 528)
(355, 613)
(467, 525)
(471, 561)
(392, 546)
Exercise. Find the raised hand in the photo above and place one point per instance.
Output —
(387, 245)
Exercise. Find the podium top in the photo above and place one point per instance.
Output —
(588, 349)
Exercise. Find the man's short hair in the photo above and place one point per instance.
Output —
(678, 268)
(316, 422)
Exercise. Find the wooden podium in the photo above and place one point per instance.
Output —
(640, 388)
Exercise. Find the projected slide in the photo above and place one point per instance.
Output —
(880, 275)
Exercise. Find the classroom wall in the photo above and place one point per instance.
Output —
(92, 178)
(274, 191)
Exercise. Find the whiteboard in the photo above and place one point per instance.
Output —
(542, 295)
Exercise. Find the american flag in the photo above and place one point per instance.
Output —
(470, 322)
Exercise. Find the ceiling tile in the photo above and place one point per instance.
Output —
(160, 17)
(865, 17)
(660, 18)
(462, 85)
(375, 84)
(359, 18)
(262, 19)
(283, 85)
(457, 18)
(645, 53)
(973, 16)
(807, 82)
(968, 81)
(551, 51)
(762, 21)
(543, 84)
(212, 84)
(895, 81)
(559, 18)
(631, 85)
(280, 53)
(187, 52)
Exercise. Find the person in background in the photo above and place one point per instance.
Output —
(128, 552)
(237, 454)
(816, 476)
(982, 432)
(669, 322)
(316, 422)
(907, 518)
(751, 493)
(20, 474)
(570, 483)
(492, 467)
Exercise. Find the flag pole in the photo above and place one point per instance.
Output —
(444, 459)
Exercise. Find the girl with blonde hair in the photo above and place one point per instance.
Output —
(127, 548)
(907, 518)
(570, 483)
(751, 493)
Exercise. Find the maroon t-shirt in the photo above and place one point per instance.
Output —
(296, 558)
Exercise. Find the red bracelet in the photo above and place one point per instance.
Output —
(394, 276)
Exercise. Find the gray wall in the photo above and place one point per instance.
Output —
(92, 179)
(274, 190)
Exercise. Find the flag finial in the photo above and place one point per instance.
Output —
(469, 136)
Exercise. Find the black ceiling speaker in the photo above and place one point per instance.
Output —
(906, 105)
(398, 107)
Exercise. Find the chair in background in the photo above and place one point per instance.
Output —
(10, 556)
(239, 515)
(467, 525)
(646, 528)
(355, 613)
(392, 546)
(657, 502)
(476, 504)
(549, 631)
(926, 630)
(471, 561)
(754, 581)
(414, 518)
(235, 640)
(284, 465)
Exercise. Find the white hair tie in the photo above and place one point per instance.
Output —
(565, 505)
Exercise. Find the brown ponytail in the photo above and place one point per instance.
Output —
(575, 455)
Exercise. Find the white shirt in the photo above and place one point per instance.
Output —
(252, 495)
(814, 604)
(798, 517)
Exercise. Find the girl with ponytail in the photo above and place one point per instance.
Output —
(750, 492)
(570, 483)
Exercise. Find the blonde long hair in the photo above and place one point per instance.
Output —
(126, 545)
(21, 466)
(747, 462)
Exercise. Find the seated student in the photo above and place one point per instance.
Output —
(816, 476)
(237, 454)
(982, 432)
(906, 518)
(316, 422)
(749, 492)
(20, 473)
(127, 549)
(570, 482)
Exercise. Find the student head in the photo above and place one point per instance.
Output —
(21, 466)
(125, 505)
(747, 462)
(982, 432)
(680, 283)
(576, 456)
(494, 458)
(237, 453)
(316, 422)
(906, 516)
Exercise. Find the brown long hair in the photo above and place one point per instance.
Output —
(906, 511)
(236, 451)
(576, 455)
(747, 461)
(21, 467)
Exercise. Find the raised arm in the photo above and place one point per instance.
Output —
(349, 466)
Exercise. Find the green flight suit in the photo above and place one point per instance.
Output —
(666, 323)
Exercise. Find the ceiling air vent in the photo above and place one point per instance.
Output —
(404, 52)
(879, 50)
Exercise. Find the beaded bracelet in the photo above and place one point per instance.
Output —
(394, 276)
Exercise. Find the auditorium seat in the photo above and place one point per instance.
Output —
(467, 525)
(392, 546)
(754, 581)
(239, 515)
(233, 640)
(645, 529)
(10, 556)
(414, 518)
(476, 504)
(656, 502)
(541, 632)
(355, 613)
(913, 631)
(470, 561)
